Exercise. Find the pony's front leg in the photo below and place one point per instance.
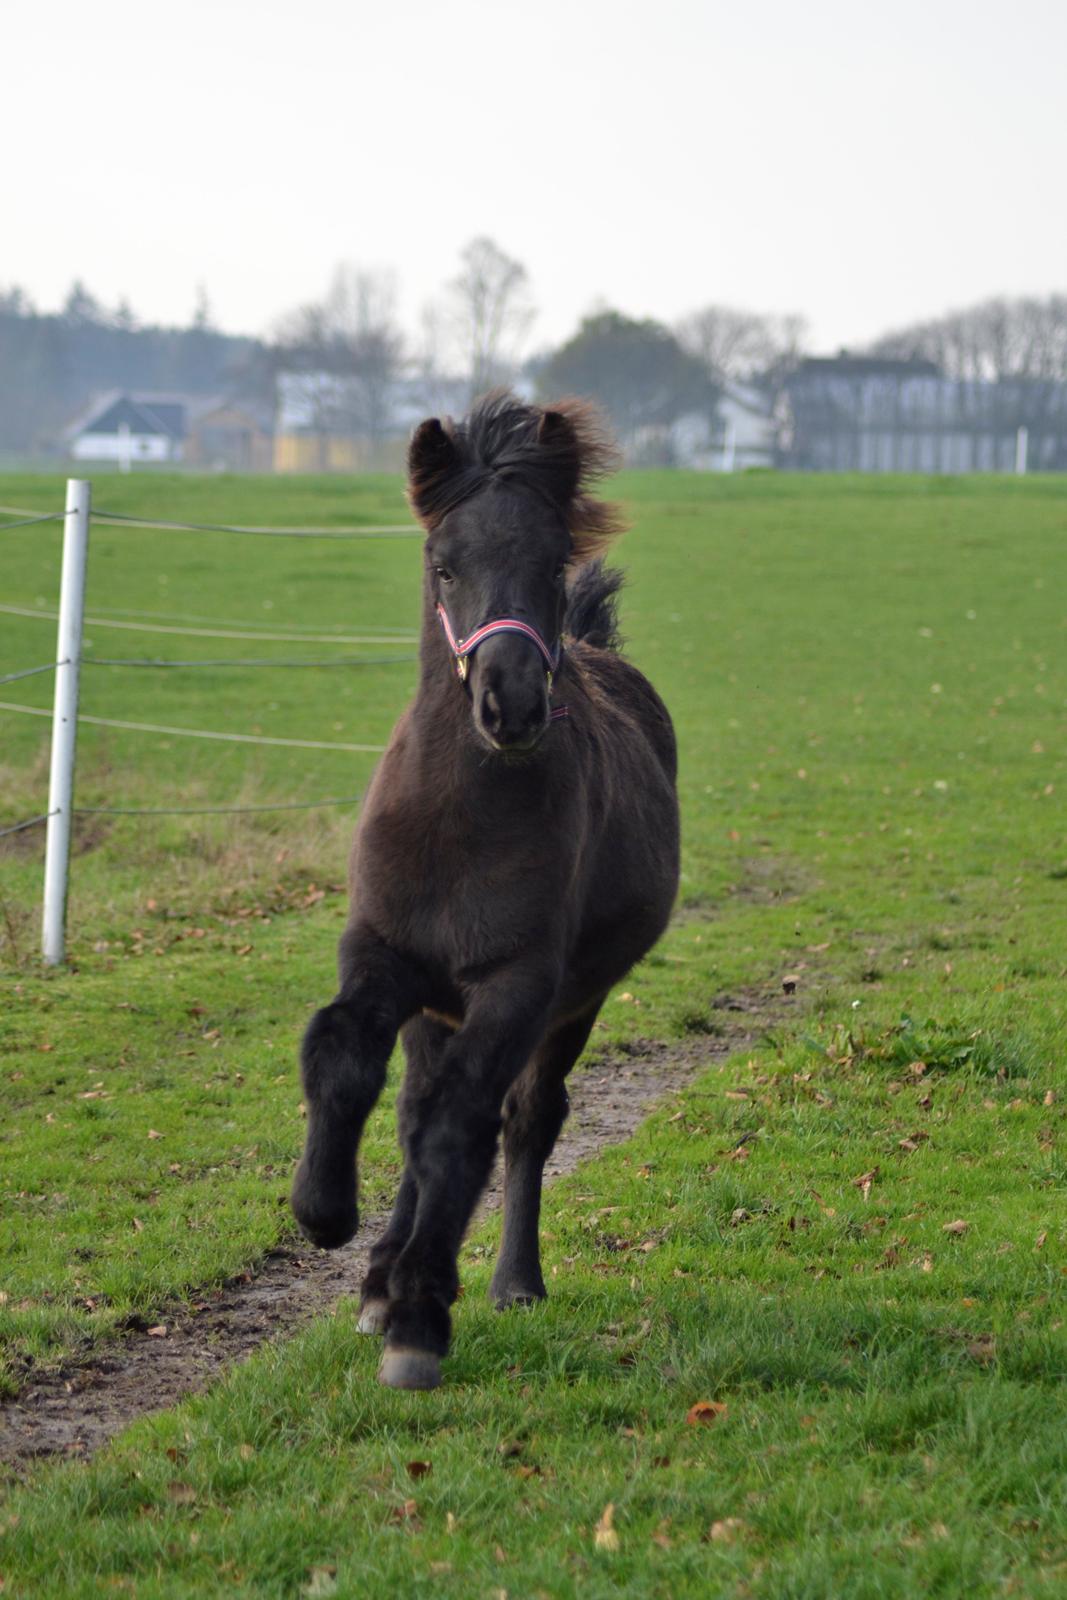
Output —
(455, 1122)
(423, 1038)
(344, 1056)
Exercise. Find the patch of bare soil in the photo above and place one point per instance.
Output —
(77, 1409)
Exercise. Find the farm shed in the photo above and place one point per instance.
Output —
(128, 427)
(866, 414)
(224, 434)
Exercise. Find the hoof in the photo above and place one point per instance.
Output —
(502, 1299)
(327, 1226)
(372, 1315)
(329, 1234)
(410, 1369)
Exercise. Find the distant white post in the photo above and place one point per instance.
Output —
(65, 718)
(729, 444)
(1022, 440)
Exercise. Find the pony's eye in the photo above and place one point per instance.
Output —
(560, 572)
(443, 573)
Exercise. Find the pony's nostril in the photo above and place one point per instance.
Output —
(492, 716)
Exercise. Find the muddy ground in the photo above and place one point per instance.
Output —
(77, 1409)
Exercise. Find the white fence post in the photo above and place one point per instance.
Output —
(65, 718)
(1022, 440)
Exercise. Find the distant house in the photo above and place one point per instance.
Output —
(742, 432)
(224, 435)
(158, 430)
(129, 428)
(865, 414)
(324, 422)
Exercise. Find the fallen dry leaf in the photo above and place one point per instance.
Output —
(983, 1349)
(705, 1411)
(1039, 1242)
(864, 1181)
(320, 1581)
(158, 1332)
(183, 1494)
(604, 1534)
(246, 1452)
(154, 1133)
(419, 1469)
(957, 1227)
(407, 1514)
(726, 1530)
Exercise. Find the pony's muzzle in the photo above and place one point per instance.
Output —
(509, 694)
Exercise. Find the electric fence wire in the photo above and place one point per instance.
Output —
(397, 530)
(31, 672)
(188, 811)
(31, 522)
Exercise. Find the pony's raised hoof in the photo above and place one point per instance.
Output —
(327, 1226)
(410, 1369)
(372, 1315)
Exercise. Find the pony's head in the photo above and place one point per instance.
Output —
(503, 496)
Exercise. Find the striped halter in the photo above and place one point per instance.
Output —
(463, 649)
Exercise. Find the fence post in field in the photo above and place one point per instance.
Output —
(1022, 440)
(65, 718)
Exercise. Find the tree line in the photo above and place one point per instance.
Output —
(478, 332)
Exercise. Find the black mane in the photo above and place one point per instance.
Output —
(557, 452)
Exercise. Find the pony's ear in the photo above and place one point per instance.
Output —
(431, 450)
(432, 459)
(556, 432)
(558, 440)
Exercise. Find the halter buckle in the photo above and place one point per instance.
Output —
(462, 665)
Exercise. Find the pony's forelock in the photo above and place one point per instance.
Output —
(559, 451)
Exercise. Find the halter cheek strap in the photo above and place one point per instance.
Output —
(463, 649)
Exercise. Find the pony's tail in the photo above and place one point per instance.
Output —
(592, 613)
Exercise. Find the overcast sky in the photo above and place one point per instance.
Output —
(863, 163)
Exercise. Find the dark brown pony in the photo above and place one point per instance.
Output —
(517, 853)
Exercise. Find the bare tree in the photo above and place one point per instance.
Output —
(998, 340)
(429, 363)
(350, 336)
(491, 312)
(745, 345)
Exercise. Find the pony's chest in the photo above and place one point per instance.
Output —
(454, 894)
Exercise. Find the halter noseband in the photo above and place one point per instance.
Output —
(463, 649)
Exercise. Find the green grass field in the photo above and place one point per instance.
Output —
(869, 679)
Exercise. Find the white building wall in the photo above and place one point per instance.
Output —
(116, 447)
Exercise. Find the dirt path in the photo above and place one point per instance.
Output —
(76, 1410)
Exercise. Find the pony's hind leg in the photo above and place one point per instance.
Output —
(344, 1055)
(534, 1112)
(423, 1038)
